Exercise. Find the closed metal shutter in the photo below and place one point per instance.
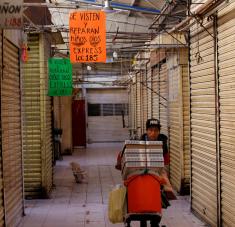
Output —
(31, 120)
(164, 99)
(1, 176)
(11, 135)
(175, 122)
(138, 105)
(186, 125)
(226, 36)
(149, 90)
(178, 101)
(155, 94)
(132, 105)
(203, 125)
(46, 116)
(144, 96)
(106, 100)
(36, 121)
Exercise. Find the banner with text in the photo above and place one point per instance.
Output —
(60, 77)
(87, 31)
(11, 14)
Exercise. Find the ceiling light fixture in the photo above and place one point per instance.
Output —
(107, 7)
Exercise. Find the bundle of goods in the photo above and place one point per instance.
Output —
(141, 155)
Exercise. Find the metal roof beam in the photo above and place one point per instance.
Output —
(75, 4)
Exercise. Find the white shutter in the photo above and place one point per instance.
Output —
(203, 125)
(144, 105)
(175, 118)
(164, 99)
(226, 37)
(149, 90)
(155, 93)
(113, 131)
(178, 101)
(138, 105)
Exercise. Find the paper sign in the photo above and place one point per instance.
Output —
(87, 31)
(60, 77)
(11, 14)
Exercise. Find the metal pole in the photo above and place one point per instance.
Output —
(217, 121)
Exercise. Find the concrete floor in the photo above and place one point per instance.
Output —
(85, 205)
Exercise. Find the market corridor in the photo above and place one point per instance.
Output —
(85, 205)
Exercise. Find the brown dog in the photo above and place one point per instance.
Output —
(79, 174)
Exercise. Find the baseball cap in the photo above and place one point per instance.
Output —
(153, 123)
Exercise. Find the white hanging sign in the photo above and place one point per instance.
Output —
(11, 14)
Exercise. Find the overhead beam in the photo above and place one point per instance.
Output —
(75, 4)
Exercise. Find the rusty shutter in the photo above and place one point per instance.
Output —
(11, 135)
(1, 180)
(226, 36)
(202, 121)
(37, 146)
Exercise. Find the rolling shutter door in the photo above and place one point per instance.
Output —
(144, 105)
(138, 104)
(149, 91)
(155, 94)
(11, 135)
(46, 116)
(1, 180)
(31, 120)
(106, 99)
(186, 124)
(203, 125)
(37, 145)
(226, 36)
(132, 105)
(163, 99)
(175, 146)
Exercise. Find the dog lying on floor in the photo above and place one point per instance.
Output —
(79, 174)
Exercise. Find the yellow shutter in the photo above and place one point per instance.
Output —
(37, 137)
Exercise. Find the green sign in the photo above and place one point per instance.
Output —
(60, 77)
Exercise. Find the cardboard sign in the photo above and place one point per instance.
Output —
(60, 77)
(11, 14)
(87, 31)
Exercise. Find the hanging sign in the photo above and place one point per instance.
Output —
(60, 77)
(87, 31)
(11, 14)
